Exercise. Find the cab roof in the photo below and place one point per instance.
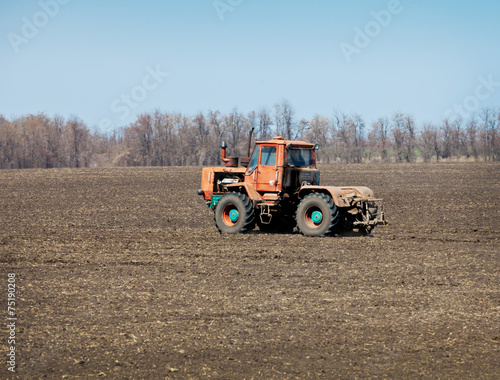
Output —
(281, 141)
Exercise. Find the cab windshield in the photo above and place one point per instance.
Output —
(253, 162)
(299, 157)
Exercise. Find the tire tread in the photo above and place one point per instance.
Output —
(335, 214)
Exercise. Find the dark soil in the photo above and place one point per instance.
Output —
(121, 273)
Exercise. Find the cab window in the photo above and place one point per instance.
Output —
(299, 157)
(253, 162)
(268, 156)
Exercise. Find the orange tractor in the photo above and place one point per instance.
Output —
(278, 189)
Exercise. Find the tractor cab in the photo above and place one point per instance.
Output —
(282, 165)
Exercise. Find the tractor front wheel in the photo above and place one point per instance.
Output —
(317, 215)
(234, 214)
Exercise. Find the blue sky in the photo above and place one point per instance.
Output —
(107, 61)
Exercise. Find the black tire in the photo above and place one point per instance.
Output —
(234, 214)
(317, 215)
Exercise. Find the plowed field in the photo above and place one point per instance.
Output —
(121, 273)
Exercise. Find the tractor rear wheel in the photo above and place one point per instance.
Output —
(234, 214)
(317, 215)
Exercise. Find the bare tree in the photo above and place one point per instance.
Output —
(399, 136)
(318, 132)
(54, 132)
(202, 138)
(489, 133)
(265, 123)
(472, 132)
(429, 142)
(216, 126)
(344, 137)
(78, 139)
(164, 138)
(283, 115)
(447, 131)
(341, 136)
(236, 130)
(357, 127)
(10, 145)
(349, 137)
(403, 132)
(379, 137)
(302, 128)
(409, 130)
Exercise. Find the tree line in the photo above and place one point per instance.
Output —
(172, 139)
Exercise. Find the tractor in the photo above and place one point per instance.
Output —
(278, 188)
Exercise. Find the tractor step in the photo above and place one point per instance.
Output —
(271, 197)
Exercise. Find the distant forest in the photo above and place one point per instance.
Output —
(173, 139)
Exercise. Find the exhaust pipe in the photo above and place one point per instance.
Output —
(250, 141)
(230, 161)
(233, 161)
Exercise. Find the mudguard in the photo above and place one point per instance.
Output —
(342, 196)
(249, 190)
